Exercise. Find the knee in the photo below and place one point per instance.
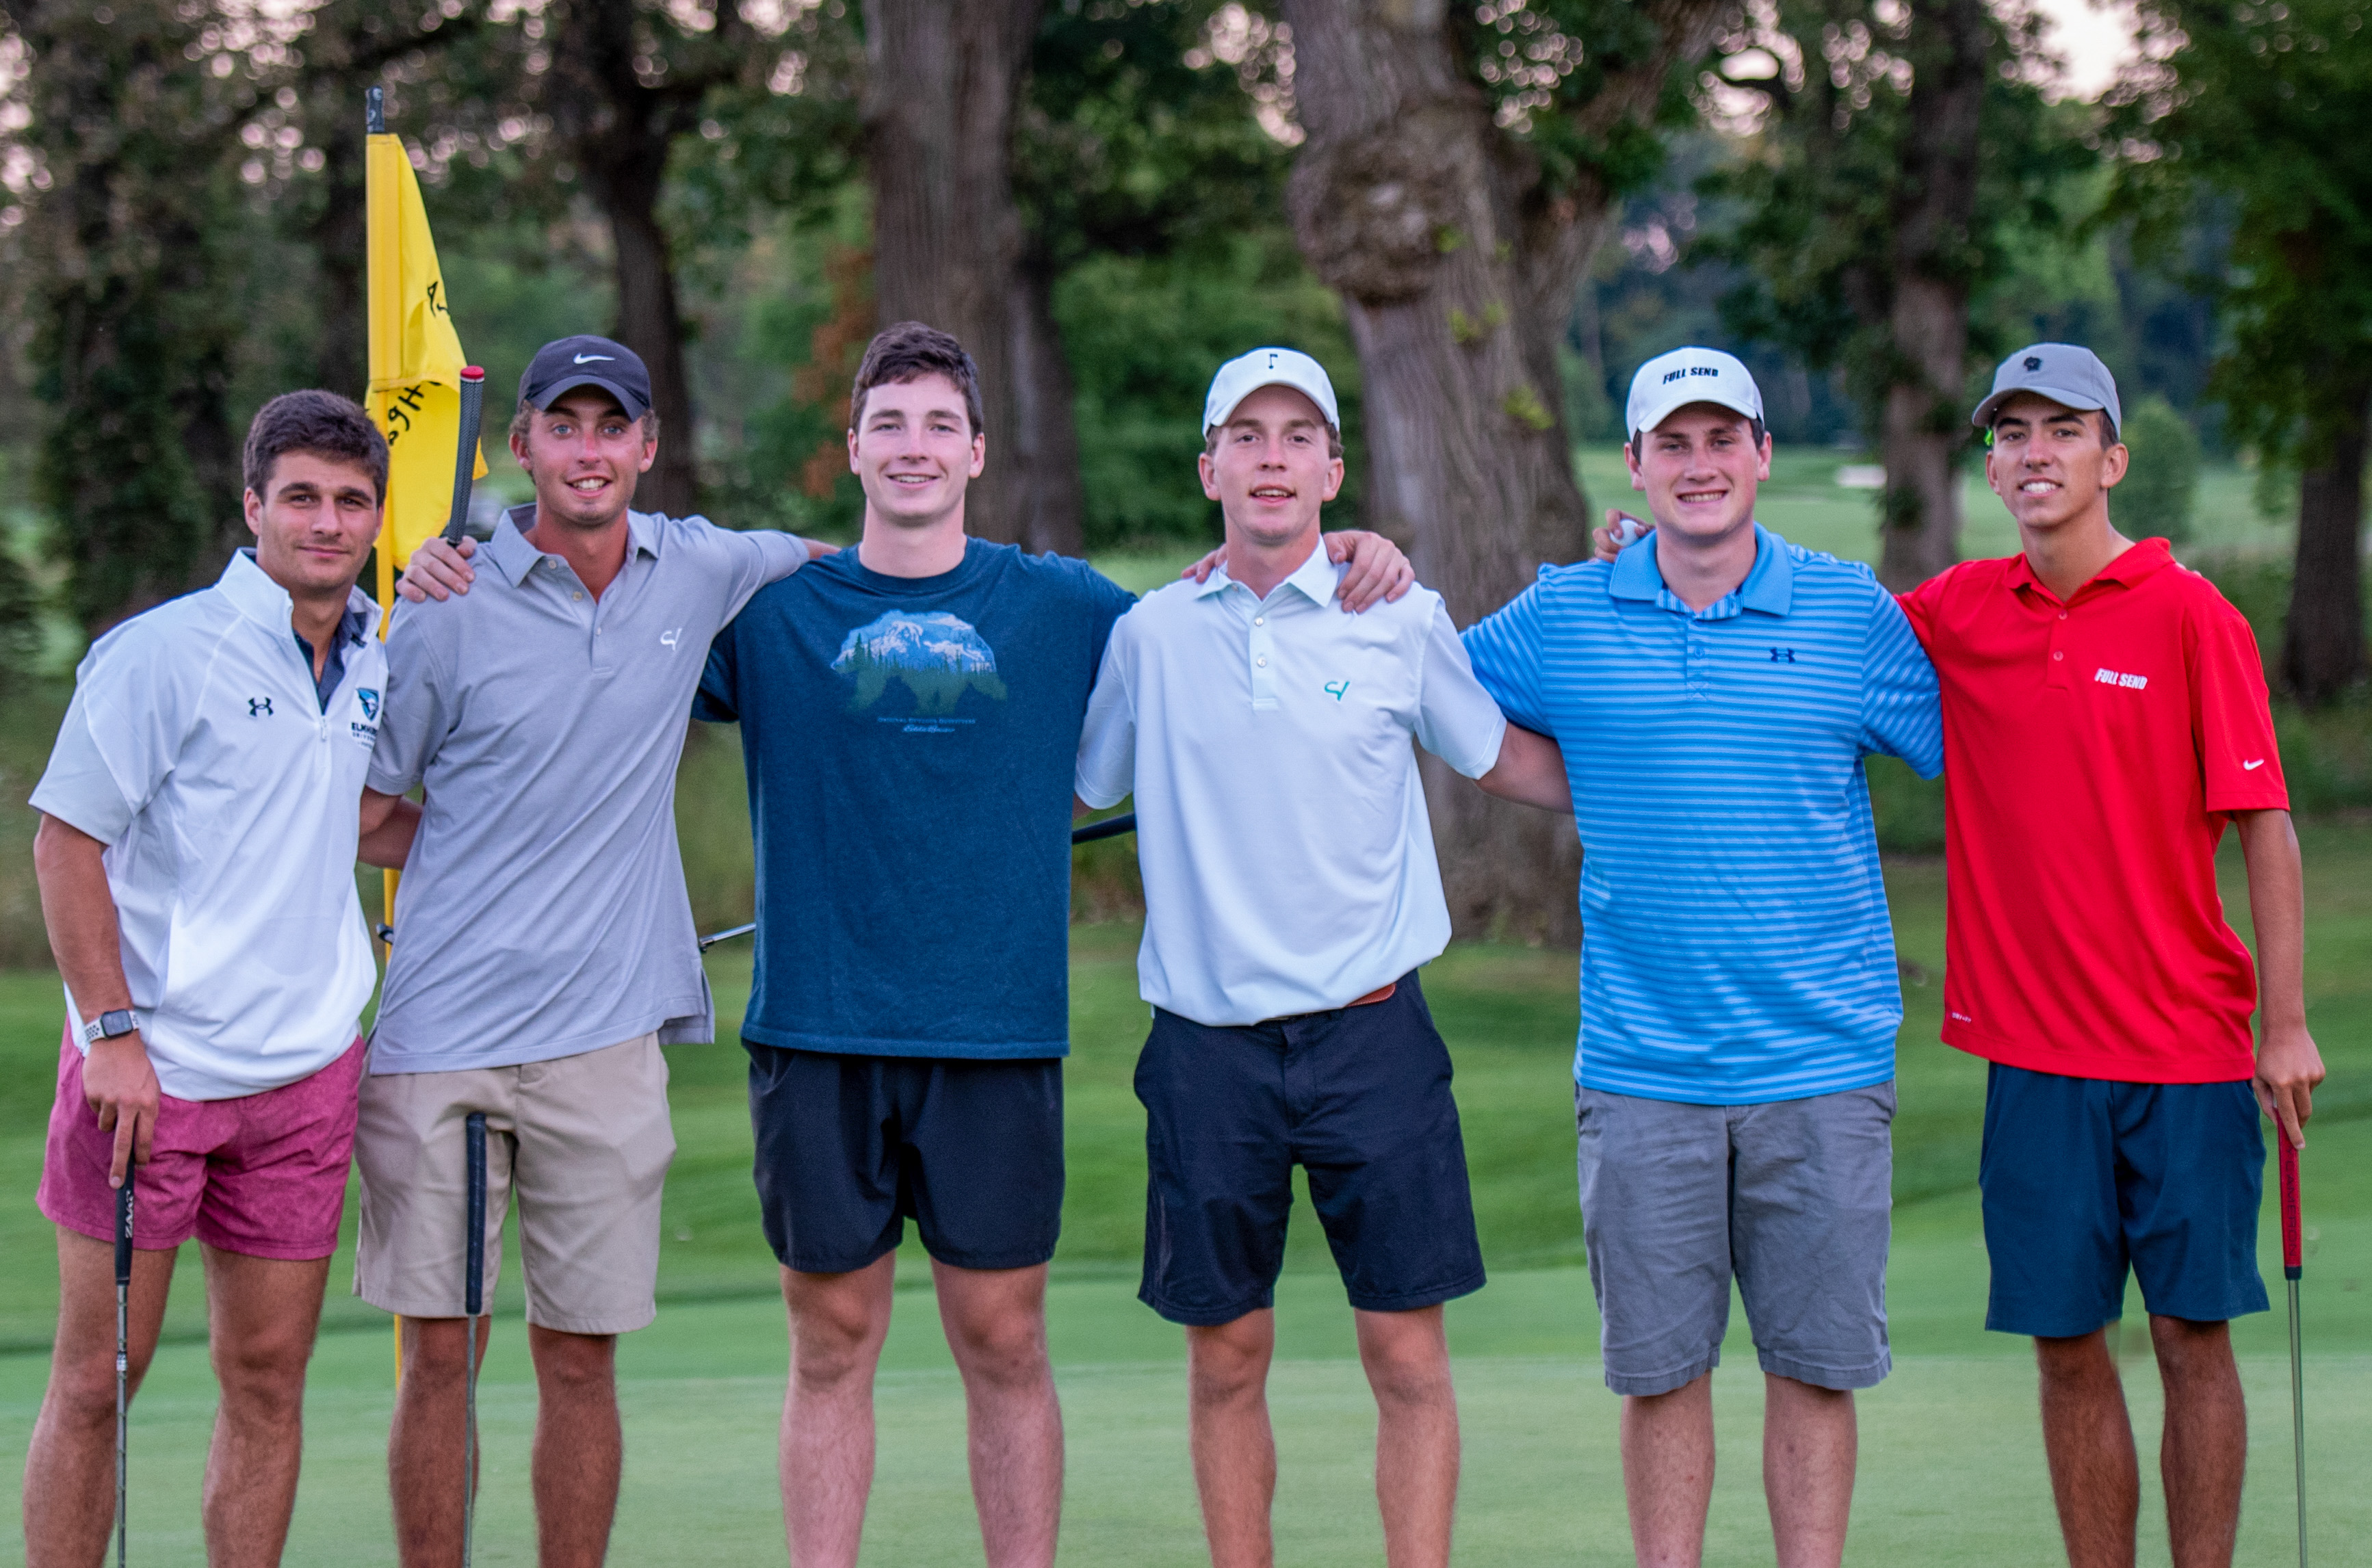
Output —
(573, 1365)
(1007, 1350)
(2191, 1352)
(829, 1346)
(264, 1379)
(2076, 1358)
(1229, 1362)
(1408, 1370)
(82, 1389)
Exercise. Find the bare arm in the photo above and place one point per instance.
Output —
(387, 823)
(2288, 1064)
(117, 1079)
(1530, 771)
(438, 570)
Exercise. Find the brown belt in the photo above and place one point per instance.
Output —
(1381, 993)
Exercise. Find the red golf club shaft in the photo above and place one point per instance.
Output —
(2293, 1267)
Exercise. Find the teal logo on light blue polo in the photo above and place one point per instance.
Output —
(1335, 689)
(937, 656)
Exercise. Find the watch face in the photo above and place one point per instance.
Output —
(112, 1025)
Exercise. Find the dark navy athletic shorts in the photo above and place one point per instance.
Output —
(1359, 1097)
(2085, 1178)
(850, 1146)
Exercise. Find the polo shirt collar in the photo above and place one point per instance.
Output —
(1316, 577)
(515, 557)
(253, 594)
(1769, 586)
(2145, 557)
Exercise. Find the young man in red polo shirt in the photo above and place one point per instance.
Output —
(2104, 718)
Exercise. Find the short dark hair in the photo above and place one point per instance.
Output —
(908, 352)
(2107, 426)
(317, 421)
(1754, 426)
(522, 421)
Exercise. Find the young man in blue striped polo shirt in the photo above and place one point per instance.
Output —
(1714, 693)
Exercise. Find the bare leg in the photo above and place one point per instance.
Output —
(2088, 1437)
(1235, 1452)
(579, 1447)
(425, 1440)
(995, 1323)
(837, 1324)
(262, 1313)
(2205, 1449)
(1406, 1355)
(1809, 1445)
(1668, 1472)
(70, 1465)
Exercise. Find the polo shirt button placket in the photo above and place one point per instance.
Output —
(1259, 645)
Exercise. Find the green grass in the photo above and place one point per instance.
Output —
(1952, 1467)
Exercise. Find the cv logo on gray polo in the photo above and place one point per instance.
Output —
(258, 707)
(669, 638)
(1335, 689)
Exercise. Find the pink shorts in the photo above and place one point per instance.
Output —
(263, 1175)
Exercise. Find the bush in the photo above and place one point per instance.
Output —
(2161, 488)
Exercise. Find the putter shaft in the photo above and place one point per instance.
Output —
(473, 1292)
(2292, 1270)
(122, 1367)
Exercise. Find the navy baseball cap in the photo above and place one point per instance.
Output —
(588, 361)
(2068, 375)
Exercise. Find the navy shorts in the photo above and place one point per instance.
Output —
(1359, 1097)
(2085, 1178)
(850, 1146)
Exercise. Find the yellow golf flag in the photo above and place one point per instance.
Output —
(415, 359)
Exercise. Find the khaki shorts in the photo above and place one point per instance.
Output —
(584, 1142)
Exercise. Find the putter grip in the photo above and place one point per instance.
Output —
(2293, 1217)
(123, 1230)
(473, 1279)
(465, 456)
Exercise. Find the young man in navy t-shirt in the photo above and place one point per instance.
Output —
(910, 718)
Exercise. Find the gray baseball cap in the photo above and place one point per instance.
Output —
(2068, 375)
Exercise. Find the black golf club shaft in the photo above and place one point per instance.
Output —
(123, 1365)
(465, 459)
(473, 1301)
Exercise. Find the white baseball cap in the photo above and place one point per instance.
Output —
(1245, 374)
(1688, 375)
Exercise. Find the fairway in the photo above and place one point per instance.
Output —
(1951, 1461)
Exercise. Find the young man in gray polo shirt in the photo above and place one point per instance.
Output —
(1291, 894)
(545, 947)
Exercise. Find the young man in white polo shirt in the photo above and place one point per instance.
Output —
(196, 853)
(1291, 893)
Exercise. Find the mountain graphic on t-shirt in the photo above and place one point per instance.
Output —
(938, 657)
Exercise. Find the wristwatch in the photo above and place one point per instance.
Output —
(109, 1026)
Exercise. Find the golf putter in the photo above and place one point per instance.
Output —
(473, 1297)
(123, 1364)
(2293, 1266)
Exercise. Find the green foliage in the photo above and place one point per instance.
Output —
(136, 239)
(1548, 66)
(2264, 107)
(1820, 199)
(2162, 484)
(1144, 338)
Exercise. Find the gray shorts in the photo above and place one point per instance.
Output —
(1793, 1196)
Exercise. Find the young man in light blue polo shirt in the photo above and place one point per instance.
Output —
(1714, 693)
(1291, 894)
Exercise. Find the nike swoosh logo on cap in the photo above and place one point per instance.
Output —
(589, 358)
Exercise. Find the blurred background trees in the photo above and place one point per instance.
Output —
(1481, 215)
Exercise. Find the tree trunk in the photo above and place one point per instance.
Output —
(2322, 648)
(1046, 438)
(1924, 426)
(1456, 263)
(650, 324)
(618, 118)
(944, 83)
(339, 236)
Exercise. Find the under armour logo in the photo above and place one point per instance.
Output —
(2034, 362)
(258, 707)
(1782, 655)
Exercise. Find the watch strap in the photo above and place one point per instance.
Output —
(111, 1025)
